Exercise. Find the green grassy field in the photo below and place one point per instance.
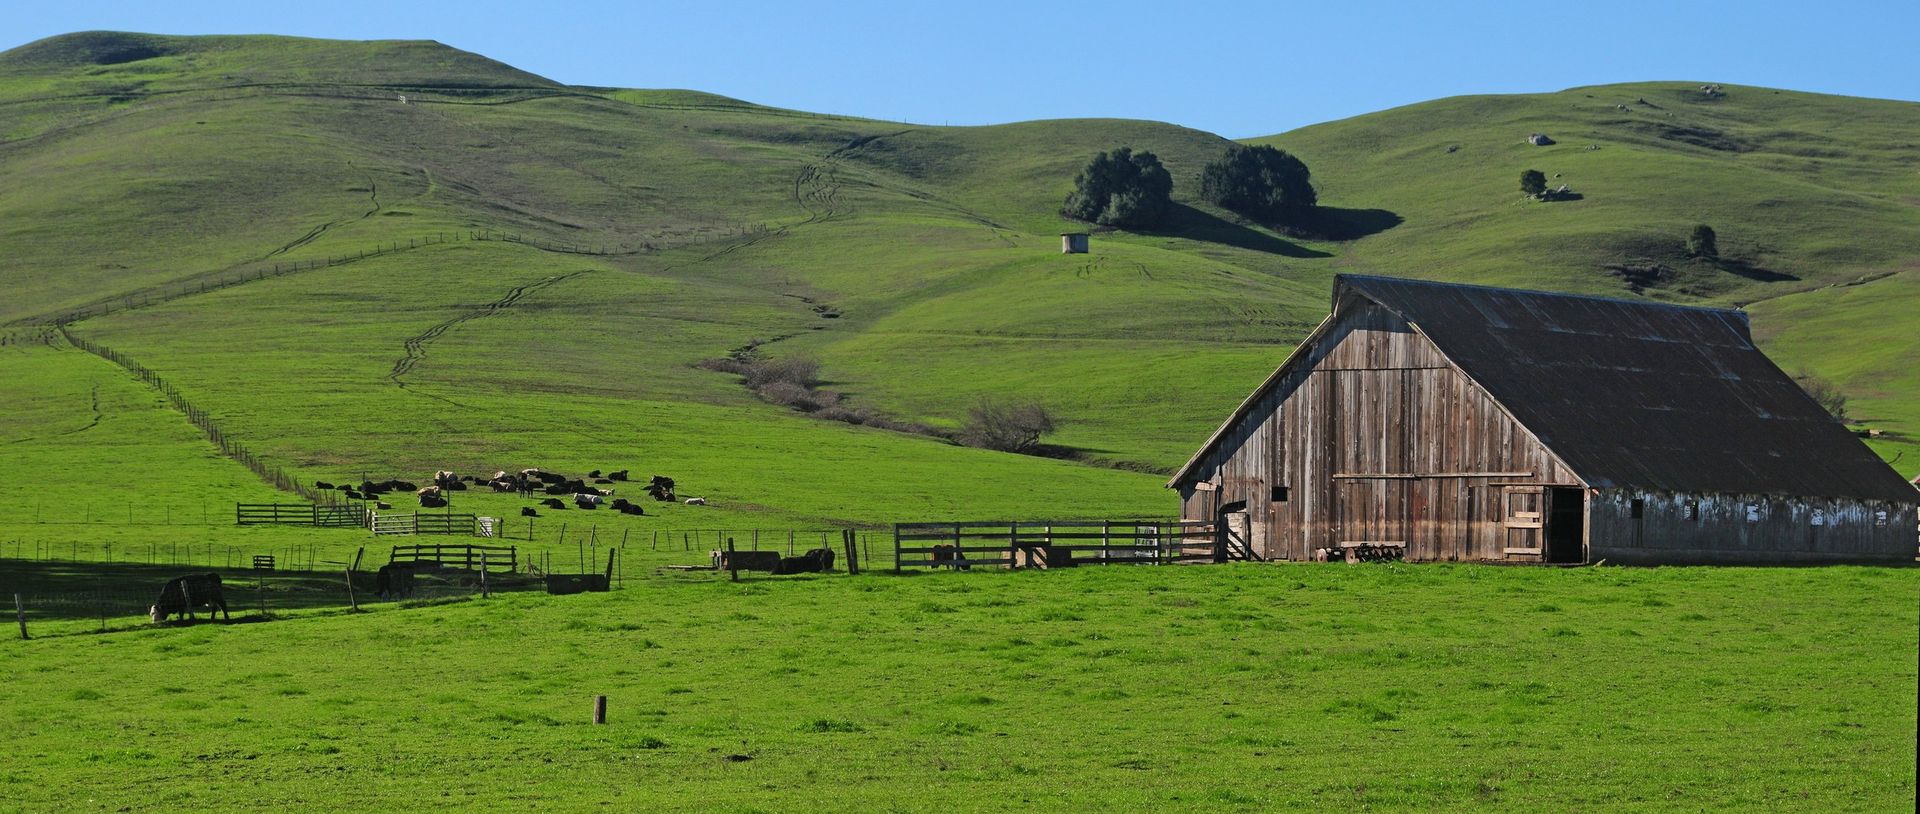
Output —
(1233, 688)
(378, 260)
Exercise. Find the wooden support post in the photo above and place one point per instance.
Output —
(352, 601)
(484, 592)
(853, 551)
(733, 568)
(20, 613)
(599, 709)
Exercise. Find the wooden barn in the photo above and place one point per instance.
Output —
(1454, 422)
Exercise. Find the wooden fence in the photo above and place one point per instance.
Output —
(1055, 543)
(468, 557)
(299, 514)
(433, 523)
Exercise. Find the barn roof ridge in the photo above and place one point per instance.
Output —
(1366, 278)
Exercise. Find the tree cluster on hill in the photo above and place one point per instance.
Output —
(1125, 188)
(1262, 182)
(1121, 188)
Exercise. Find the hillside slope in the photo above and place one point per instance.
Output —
(395, 257)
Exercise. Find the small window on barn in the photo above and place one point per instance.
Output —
(1692, 510)
(1279, 494)
(1639, 508)
(1753, 512)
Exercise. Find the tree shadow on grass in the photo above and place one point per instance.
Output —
(1184, 221)
(1338, 224)
(1746, 268)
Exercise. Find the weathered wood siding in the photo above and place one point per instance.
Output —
(1682, 527)
(1375, 437)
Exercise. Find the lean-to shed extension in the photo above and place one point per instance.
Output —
(1471, 423)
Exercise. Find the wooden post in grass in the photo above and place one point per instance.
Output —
(853, 551)
(599, 709)
(20, 612)
(484, 592)
(733, 567)
(352, 601)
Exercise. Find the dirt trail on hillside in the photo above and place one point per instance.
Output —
(416, 346)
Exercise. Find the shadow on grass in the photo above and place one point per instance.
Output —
(1184, 221)
(1337, 224)
(64, 590)
(1746, 268)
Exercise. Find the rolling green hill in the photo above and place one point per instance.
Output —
(386, 258)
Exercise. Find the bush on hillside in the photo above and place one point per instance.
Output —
(1011, 426)
(1534, 182)
(1121, 188)
(1262, 182)
(1703, 243)
(1824, 391)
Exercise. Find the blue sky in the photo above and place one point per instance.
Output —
(1236, 68)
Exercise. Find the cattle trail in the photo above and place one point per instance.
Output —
(90, 425)
(416, 346)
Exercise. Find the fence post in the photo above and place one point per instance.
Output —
(599, 709)
(896, 548)
(484, 593)
(733, 568)
(352, 601)
(20, 612)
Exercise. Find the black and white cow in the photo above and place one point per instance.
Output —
(182, 594)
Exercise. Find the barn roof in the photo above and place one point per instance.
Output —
(1640, 394)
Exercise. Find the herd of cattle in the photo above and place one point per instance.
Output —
(527, 483)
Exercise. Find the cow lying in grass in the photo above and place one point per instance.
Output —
(182, 594)
(817, 561)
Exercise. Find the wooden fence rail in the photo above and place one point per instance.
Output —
(1054, 543)
(469, 557)
(300, 514)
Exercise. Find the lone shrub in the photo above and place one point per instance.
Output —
(1703, 243)
(1014, 426)
(1534, 182)
(795, 370)
(1259, 181)
(1121, 188)
(1824, 391)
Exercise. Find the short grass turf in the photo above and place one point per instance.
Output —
(1250, 687)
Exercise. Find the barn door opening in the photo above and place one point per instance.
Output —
(1566, 524)
(1235, 533)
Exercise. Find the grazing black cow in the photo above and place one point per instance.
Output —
(456, 486)
(602, 480)
(382, 505)
(817, 561)
(323, 486)
(662, 489)
(632, 508)
(353, 495)
(586, 501)
(553, 503)
(182, 594)
(620, 475)
(394, 580)
(549, 477)
(527, 511)
(594, 474)
(950, 556)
